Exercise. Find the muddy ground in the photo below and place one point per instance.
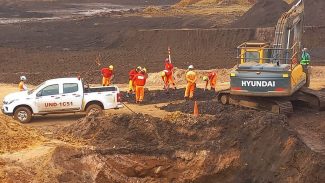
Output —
(161, 96)
(69, 47)
(223, 144)
(233, 146)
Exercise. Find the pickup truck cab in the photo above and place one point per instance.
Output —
(62, 95)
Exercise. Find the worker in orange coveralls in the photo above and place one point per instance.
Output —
(132, 73)
(139, 80)
(191, 78)
(108, 75)
(166, 76)
(170, 68)
(212, 79)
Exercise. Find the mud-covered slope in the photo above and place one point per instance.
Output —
(265, 13)
(237, 146)
(233, 145)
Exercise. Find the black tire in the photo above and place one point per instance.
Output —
(23, 115)
(95, 109)
(224, 99)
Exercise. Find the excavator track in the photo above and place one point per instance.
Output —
(319, 97)
(285, 107)
(280, 105)
(274, 105)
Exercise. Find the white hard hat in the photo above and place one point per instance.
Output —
(191, 67)
(205, 78)
(22, 78)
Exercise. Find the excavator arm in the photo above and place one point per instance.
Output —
(288, 34)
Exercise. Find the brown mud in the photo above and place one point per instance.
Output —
(236, 146)
(211, 107)
(14, 136)
(161, 96)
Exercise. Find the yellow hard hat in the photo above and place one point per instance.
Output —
(163, 73)
(205, 78)
(111, 67)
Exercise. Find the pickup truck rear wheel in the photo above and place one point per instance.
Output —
(23, 115)
(94, 109)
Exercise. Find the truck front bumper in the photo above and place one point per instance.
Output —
(120, 105)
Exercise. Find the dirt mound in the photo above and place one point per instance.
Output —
(234, 146)
(123, 131)
(211, 107)
(215, 2)
(265, 13)
(240, 2)
(311, 128)
(161, 96)
(14, 136)
(187, 2)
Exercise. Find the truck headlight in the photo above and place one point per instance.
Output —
(11, 101)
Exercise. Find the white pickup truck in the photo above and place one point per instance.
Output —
(63, 95)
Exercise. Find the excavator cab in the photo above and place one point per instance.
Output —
(253, 52)
(262, 73)
(272, 70)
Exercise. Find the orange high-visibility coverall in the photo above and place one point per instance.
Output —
(107, 76)
(132, 73)
(139, 80)
(168, 78)
(22, 86)
(213, 80)
(170, 68)
(191, 78)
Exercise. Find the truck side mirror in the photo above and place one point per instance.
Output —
(39, 94)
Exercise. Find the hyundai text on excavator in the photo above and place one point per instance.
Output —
(270, 77)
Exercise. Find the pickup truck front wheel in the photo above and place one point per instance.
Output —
(23, 115)
(94, 109)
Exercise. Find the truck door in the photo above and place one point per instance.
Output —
(48, 99)
(72, 96)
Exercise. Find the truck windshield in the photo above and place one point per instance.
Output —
(252, 56)
(32, 90)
